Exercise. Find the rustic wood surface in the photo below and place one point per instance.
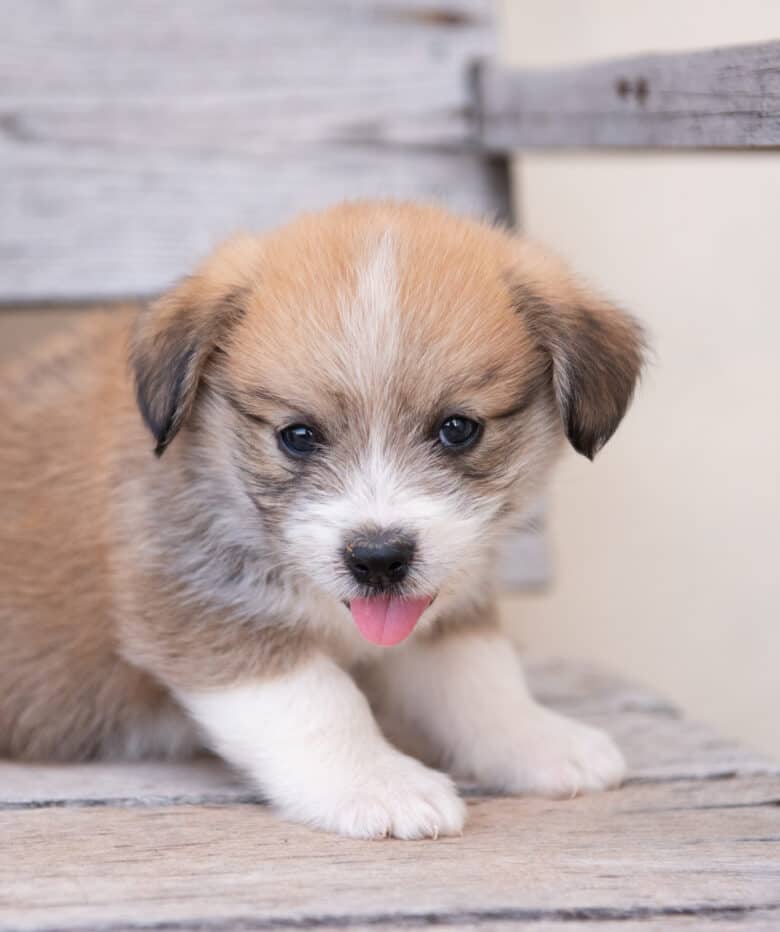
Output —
(692, 841)
(134, 136)
(726, 97)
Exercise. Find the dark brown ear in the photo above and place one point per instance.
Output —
(596, 352)
(172, 342)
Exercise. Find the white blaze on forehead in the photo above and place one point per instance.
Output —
(370, 316)
(384, 486)
(384, 482)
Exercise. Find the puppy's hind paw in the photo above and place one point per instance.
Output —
(556, 757)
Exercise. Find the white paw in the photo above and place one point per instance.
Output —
(551, 755)
(395, 796)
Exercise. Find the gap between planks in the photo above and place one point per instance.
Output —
(750, 919)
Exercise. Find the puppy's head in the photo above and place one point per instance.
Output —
(387, 385)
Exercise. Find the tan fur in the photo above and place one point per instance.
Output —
(100, 540)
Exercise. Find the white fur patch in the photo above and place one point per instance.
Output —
(383, 486)
(381, 492)
(370, 319)
(309, 741)
(464, 701)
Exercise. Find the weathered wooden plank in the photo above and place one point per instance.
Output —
(723, 97)
(709, 848)
(658, 744)
(266, 75)
(132, 137)
(525, 560)
(148, 783)
(720, 921)
(739, 920)
(90, 224)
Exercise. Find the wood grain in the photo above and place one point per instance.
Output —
(132, 137)
(174, 848)
(646, 852)
(720, 921)
(725, 97)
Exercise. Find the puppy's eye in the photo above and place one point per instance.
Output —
(459, 433)
(299, 440)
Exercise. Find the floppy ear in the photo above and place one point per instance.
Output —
(172, 342)
(596, 352)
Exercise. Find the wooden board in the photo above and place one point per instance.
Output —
(725, 97)
(134, 136)
(708, 847)
(183, 847)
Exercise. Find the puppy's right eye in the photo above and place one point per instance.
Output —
(458, 433)
(299, 440)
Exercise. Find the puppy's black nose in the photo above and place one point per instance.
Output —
(379, 559)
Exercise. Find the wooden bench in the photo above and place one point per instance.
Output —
(691, 840)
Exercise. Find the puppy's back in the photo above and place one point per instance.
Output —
(60, 409)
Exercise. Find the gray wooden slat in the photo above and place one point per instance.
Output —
(723, 97)
(147, 783)
(709, 849)
(738, 920)
(525, 560)
(134, 136)
(92, 225)
(659, 745)
(724, 921)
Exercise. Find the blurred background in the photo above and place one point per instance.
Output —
(134, 136)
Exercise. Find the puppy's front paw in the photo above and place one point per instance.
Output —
(551, 755)
(396, 796)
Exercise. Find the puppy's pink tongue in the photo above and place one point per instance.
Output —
(386, 620)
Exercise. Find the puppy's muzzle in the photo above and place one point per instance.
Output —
(380, 559)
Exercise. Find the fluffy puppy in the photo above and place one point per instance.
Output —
(346, 416)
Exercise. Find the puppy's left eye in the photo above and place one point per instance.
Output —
(299, 440)
(459, 433)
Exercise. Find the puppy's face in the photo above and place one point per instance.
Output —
(392, 385)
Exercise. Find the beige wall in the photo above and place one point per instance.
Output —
(668, 547)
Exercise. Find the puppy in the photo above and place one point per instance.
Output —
(273, 531)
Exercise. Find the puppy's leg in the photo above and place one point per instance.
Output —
(463, 695)
(309, 740)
